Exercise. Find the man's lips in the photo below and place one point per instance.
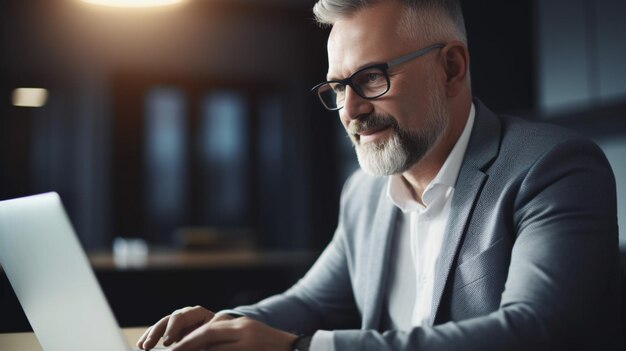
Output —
(371, 134)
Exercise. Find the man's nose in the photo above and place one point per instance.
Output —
(354, 105)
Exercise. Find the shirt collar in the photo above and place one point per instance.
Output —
(399, 192)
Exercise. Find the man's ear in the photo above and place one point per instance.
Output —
(456, 64)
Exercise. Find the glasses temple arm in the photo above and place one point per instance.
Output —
(413, 55)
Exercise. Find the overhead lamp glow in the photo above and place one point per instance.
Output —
(133, 3)
(30, 97)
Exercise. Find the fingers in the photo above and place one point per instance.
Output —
(235, 334)
(174, 327)
(183, 321)
(143, 337)
(151, 336)
(210, 334)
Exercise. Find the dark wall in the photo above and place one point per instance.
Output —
(502, 53)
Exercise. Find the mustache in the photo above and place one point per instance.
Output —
(371, 121)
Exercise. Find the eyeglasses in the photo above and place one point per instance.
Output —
(369, 83)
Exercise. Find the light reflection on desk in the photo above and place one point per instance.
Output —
(205, 259)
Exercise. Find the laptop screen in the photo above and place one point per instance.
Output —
(52, 277)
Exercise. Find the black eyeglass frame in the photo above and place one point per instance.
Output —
(383, 67)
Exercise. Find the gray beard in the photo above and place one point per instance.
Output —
(403, 148)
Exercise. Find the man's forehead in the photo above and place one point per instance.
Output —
(338, 52)
(370, 35)
(350, 47)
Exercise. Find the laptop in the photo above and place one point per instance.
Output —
(52, 277)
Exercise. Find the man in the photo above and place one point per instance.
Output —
(464, 231)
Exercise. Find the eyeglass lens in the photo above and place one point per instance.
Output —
(368, 83)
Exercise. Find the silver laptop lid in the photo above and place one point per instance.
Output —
(52, 277)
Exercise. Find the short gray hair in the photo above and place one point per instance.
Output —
(417, 21)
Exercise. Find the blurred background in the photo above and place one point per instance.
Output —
(191, 127)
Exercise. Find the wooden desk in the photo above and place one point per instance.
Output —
(29, 342)
(173, 259)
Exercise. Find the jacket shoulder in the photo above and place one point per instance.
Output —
(526, 141)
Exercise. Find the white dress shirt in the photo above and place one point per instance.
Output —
(417, 244)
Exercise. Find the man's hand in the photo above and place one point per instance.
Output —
(196, 328)
(175, 326)
(235, 334)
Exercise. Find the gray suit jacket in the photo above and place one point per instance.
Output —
(529, 259)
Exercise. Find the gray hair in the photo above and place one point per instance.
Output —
(428, 19)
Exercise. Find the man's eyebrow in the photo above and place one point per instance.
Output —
(365, 65)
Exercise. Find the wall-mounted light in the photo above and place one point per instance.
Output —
(30, 97)
(133, 3)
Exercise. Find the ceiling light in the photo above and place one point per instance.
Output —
(133, 3)
(30, 97)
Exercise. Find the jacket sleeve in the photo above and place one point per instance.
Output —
(322, 299)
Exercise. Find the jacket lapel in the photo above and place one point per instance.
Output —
(382, 232)
(481, 150)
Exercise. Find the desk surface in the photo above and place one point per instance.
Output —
(203, 259)
(28, 341)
